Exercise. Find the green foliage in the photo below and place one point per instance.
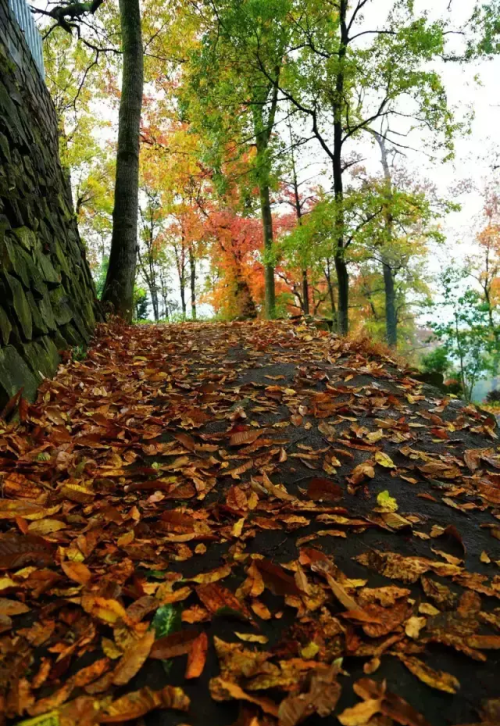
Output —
(493, 397)
(437, 361)
(101, 277)
(79, 352)
(463, 329)
(485, 24)
(141, 303)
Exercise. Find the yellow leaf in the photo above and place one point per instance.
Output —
(46, 526)
(413, 626)
(107, 610)
(238, 527)
(310, 651)
(110, 649)
(361, 713)
(252, 638)
(6, 582)
(435, 679)
(386, 502)
(384, 460)
(47, 719)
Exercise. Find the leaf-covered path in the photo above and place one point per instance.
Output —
(251, 523)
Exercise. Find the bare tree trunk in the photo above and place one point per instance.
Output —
(192, 279)
(263, 129)
(267, 223)
(304, 299)
(338, 182)
(391, 318)
(119, 286)
(331, 293)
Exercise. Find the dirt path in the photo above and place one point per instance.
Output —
(248, 523)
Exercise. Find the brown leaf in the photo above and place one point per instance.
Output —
(215, 597)
(138, 703)
(12, 607)
(361, 472)
(19, 550)
(245, 437)
(395, 566)
(223, 690)
(276, 579)
(342, 596)
(322, 489)
(170, 646)
(133, 659)
(324, 693)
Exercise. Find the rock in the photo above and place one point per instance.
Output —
(20, 305)
(15, 374)
(5, 327)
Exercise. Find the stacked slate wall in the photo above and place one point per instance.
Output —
(47, 297)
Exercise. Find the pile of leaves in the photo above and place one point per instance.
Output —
(253, 524)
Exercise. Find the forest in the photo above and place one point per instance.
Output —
(287, 156)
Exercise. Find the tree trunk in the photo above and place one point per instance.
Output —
(338, 183)
(391, 319)
(298, 212)
(331, 294)
(267, 224)
(305, 293)
(182, 284)
(263, 129)
(343, 295)
(119, 286)
(192, 279)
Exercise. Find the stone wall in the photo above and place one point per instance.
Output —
(47, 297)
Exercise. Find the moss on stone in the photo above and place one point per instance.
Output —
(20, 305)
(14, 375)
(26, 237)
(5, 327)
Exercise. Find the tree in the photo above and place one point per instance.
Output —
(344, 85)
(484, 265)
(463, 329)
(242, 103)
(119, 287)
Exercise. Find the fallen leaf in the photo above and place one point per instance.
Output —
(133, 659)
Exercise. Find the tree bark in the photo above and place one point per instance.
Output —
(192, 280)
(338, 182)
(263, 129)
(391, 318)
(119, 286)
(267, 224)
(331, 294)
(304, 299)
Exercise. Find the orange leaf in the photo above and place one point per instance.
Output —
(197, 656)
(77, 571)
